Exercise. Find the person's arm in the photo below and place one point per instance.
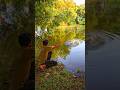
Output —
(55, 46)
(52, 47)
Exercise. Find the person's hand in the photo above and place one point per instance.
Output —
(57, 46)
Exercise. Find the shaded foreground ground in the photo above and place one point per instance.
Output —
(57, 78)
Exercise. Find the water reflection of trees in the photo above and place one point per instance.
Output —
(103, 15)
(94, 40)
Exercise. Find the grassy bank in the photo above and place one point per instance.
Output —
(57, 78)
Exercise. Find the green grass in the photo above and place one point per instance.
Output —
(57, 78)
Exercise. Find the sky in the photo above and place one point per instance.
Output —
(78, 2)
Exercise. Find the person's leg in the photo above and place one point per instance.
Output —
(49, 62)
(49, 56)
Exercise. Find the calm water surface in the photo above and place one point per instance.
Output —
(103, 63)
(75, 60)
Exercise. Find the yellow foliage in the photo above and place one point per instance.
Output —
(64, 4)
(63, 24)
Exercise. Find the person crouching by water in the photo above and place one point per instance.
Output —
(45, 56)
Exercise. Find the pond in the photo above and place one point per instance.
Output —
(102, 61)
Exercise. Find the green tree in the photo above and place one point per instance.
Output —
(44, 13)
(80, 19)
